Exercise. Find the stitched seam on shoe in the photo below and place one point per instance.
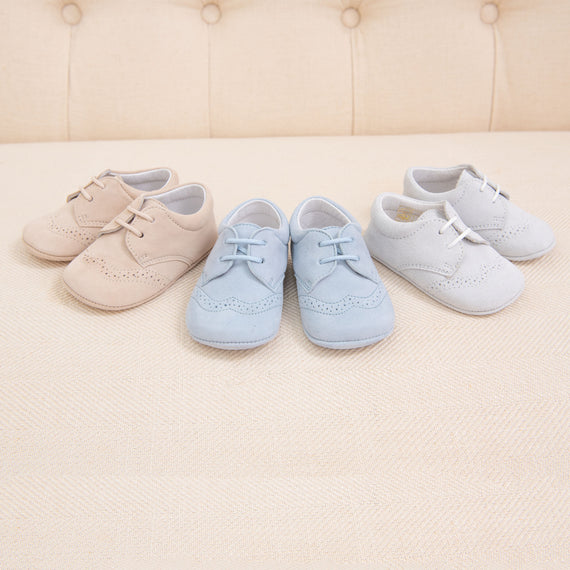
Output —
(120, 275)
(241, 307)
(348, 302)
(517, 230)
(60, 230)
(460, 282)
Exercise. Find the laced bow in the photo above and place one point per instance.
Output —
(338, 256)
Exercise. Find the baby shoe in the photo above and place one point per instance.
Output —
(484, 207)
(429, 245)
(343, 302)
(145, 249)
(64, 234)
(238, 299)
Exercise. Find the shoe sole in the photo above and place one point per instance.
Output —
(532, 255)
(347, 344)
(464, 311)
(234, 345)
(48, 256)
(133, 305)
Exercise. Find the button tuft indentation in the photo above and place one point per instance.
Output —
(71, 14)
(211, 13)
(489, 13)
(350, 17)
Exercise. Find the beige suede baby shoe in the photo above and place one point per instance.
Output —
(65, 233)
(145, 249)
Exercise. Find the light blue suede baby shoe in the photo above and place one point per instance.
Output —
(238, 299)
(344, 304)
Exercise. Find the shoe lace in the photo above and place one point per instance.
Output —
(82, 189)
(127, 224)
(459, 237)
(241, 252)
(497, 188)
(338, 256)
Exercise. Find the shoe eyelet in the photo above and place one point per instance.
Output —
(142, 235)
(263, 260)
(152, 221)
(320, 244)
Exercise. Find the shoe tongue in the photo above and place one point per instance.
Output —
(432, 214)
(245, 230)
(468, 180)
(333, 231)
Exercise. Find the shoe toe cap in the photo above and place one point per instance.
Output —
(333, 325)
(231, 324)
(94, 282)
(494, 288)
(528, 240)
(46, 238)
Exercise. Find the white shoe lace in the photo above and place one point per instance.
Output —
(459, 237)
(497, 188)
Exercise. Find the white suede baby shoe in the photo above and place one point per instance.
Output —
(429, 245)
(484, 207)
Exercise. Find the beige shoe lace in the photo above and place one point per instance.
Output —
(127, 224)
(83, 189)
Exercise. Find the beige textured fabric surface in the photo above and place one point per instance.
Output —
(124, 444)
(81, 70)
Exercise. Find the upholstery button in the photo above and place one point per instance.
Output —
(489, 13)
(71, 14)
(211, 13)
(350, 17)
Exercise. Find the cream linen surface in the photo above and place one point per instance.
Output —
(156, 69)
(124, 444)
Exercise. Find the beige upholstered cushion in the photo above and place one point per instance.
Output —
(79, 69)
(124, 444)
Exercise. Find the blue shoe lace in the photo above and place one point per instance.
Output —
(241, 252)
(339, 256)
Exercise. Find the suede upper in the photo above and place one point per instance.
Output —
(484, 207)
(144, 249)
(428, 244)
(65, 233)
(343, 302)
(238, 299)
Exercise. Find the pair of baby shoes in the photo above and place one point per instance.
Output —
(130, 235)
(452, 235)
(237, 302)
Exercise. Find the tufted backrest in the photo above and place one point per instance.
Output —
(109, 69)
